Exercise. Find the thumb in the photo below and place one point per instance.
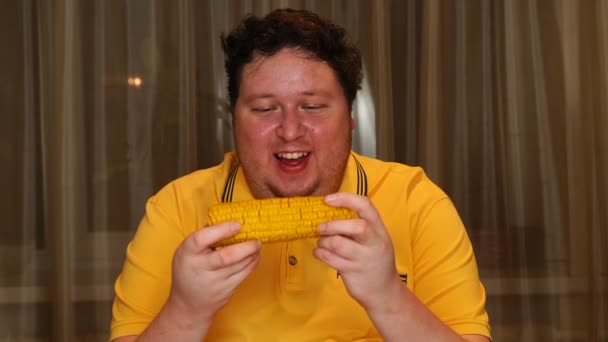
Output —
(203, 238)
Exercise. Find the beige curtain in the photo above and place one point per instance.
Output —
(504, 103)
(513, 119)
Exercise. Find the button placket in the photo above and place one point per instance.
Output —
(293, 260)
(294, 267)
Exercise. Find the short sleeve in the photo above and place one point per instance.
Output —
(447, 279)
(143, 286)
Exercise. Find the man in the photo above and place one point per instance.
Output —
(403, 271)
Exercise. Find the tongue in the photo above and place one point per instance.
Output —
(293, 165)
(292, 162)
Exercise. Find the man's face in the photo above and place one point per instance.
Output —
(292, 126)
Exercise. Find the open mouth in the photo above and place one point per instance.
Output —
(291, 155)
(292, 162)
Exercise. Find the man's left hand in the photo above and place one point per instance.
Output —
(361, 251)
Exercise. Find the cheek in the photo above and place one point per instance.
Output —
(264, 131)
(250, 134)
(332, 132)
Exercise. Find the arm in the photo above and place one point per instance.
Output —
(362, 251)
(203, 280)
(404, 315)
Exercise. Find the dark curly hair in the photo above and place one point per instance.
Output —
(291, 28)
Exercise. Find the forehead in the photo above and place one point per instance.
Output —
(286, 58)
(288, 69)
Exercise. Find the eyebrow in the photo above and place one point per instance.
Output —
(258, 96)
(316, 93)
(268, 95)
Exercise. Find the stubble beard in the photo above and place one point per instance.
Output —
(265, 188)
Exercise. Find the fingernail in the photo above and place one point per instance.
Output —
(235, 226)
(330, 198)
(322, 227)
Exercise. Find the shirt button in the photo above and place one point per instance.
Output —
(292, 260)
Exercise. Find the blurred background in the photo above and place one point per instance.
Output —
(504, 103)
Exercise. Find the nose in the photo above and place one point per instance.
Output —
(291, 126)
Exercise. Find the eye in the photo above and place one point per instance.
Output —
(263, 110)
(313, 107)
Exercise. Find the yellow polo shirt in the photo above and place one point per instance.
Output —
(291, 296)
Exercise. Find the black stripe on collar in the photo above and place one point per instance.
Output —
(361, 178)
(229, 185)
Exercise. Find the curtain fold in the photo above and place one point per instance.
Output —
(504, 104)
(512, 100)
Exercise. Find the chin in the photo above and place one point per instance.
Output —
(293, 191)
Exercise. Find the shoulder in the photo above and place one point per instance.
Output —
(399, 179)
(206, 182)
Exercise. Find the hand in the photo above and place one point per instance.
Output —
(204, 279)
(361, 250)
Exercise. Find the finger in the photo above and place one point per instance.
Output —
(230, 255)
(237, 267)
(253, 259)
(239, 276)
(203, 238)
(356, 229)
(340, 245)
(361, 204)
(332, 260)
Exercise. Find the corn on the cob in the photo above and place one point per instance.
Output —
(276, 219)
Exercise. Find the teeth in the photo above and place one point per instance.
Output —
(294, 155)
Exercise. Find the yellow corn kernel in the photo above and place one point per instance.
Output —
(276, 219)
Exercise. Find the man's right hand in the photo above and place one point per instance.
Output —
(204, 279)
